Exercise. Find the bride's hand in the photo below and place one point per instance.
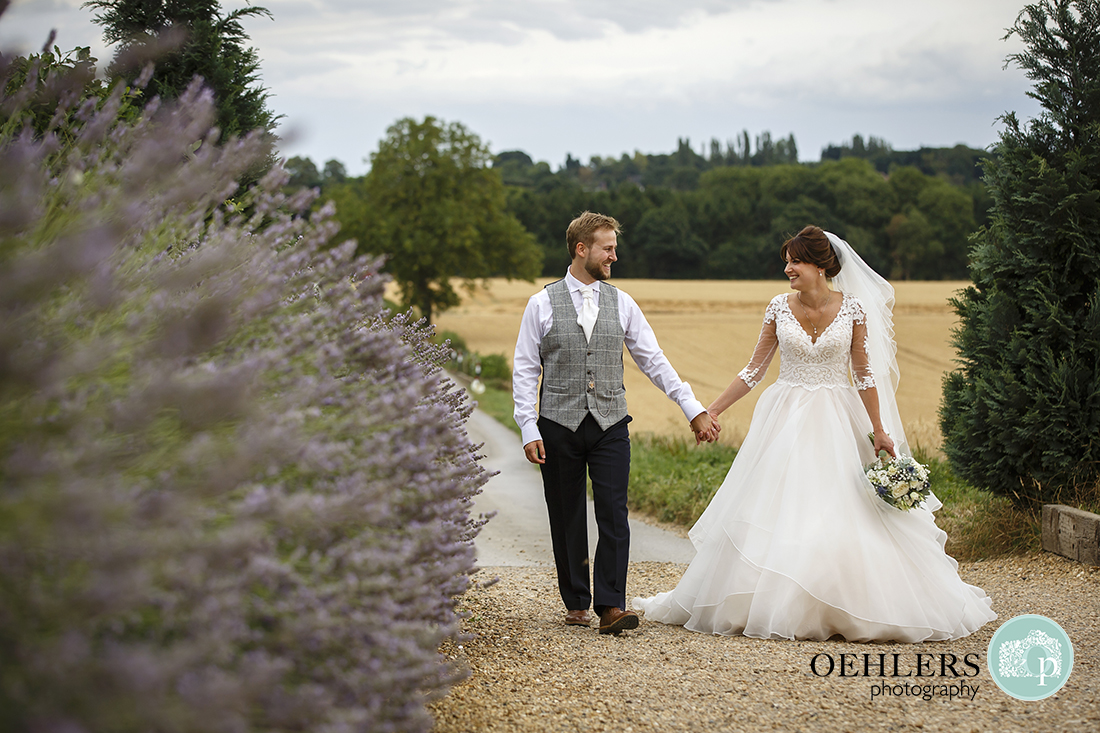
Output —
(705, 428)
(884, 442)
(714, 420)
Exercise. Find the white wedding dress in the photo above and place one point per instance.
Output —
(794, 544)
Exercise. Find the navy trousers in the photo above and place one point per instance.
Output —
(605, 456)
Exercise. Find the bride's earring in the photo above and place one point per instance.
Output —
(820, 273)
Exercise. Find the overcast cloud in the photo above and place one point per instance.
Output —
(603, 77)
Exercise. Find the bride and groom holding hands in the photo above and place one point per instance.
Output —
(794, 544)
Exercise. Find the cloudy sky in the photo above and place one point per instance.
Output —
(603, 77)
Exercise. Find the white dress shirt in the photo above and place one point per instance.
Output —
(640, 341)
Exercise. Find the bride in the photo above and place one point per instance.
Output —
(795, 544)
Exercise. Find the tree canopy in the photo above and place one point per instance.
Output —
(1022, 413)
(435, 207)
(722, 216)
(907, 224)
(304, 174)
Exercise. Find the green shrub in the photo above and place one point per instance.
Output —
(1022, 413)
(453, 340)
(491, 369)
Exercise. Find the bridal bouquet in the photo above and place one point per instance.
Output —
(900, 482)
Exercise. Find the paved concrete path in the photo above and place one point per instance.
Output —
(519, 534)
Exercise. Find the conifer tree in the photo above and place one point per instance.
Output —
(211, 44)
(1022, 413)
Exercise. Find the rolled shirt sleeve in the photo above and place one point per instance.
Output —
(642, 344)
(527, 367)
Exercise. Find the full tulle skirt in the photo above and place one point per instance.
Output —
(795, 544)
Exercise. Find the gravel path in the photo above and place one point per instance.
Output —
(530, 672)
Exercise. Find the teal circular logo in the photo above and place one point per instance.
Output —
(1030, 657)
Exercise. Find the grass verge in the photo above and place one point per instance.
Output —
(672, 479)
(980, 524)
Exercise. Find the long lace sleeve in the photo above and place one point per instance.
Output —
(862, 375)
(762, 355)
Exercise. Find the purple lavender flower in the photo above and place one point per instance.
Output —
(234, 494)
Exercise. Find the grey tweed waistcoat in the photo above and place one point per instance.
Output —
(581, 377)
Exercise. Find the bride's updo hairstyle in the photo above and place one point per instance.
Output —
(811, 245)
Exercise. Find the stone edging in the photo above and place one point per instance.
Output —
(1071, 532)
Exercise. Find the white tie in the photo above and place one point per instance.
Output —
(589, 311)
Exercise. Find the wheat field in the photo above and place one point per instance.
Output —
(708, 329)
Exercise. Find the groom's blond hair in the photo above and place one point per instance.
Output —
(584, 226)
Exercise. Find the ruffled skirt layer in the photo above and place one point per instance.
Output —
(795, 545)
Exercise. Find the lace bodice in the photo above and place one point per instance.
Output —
(806, 363)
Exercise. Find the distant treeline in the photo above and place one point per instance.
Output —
(724, 214)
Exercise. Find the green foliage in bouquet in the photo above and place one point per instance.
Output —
(1022, 413)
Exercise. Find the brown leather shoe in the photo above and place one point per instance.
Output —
(614, 620)
(578, 618)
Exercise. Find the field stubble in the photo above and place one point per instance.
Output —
(708, 329)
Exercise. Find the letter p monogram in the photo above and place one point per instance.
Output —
(1043, 674)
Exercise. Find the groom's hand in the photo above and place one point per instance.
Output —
(705, 428)
(535, 451)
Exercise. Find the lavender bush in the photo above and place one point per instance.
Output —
(234, 495)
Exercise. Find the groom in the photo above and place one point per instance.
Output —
(573, 333)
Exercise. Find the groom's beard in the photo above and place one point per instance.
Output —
(596, 271)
